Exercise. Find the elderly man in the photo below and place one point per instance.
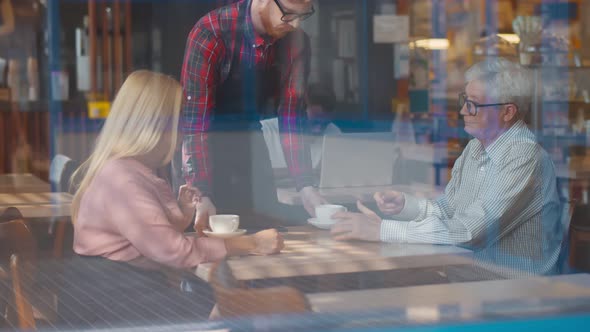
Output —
(502, 199)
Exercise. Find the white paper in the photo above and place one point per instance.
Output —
(60, 85)
(401, 61)
(346, 38)
(338, 68)
(389, 29)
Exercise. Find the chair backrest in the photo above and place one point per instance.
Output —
(24, 309)
(9, 214)
(233, 299)
(16, 238)
(56, 167)
(567, 211)
(60, 172)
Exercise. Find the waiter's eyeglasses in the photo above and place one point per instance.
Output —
(290, 17)
(473, 106)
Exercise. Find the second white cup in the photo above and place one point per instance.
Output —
(224, 223)
(324, 212)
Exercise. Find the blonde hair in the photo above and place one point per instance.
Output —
(147, 105)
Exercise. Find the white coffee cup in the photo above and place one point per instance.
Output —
(224, 223)
(325, 212)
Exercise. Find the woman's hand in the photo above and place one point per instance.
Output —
(266, 242)
(205, 209)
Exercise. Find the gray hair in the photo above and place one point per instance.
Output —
(505, 81)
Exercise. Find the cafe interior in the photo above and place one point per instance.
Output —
(364, 165)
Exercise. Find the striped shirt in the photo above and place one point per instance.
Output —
(501, 202)
(210, 47)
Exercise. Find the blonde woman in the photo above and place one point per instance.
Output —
(123, 213)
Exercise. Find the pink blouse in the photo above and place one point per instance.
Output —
(129, 213)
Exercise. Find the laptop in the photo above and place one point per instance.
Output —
(357, 160)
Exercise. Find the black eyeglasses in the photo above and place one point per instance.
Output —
(473, 106)
(290, 17)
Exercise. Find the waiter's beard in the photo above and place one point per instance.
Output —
(274, 32)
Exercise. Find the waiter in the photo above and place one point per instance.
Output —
(244, 62)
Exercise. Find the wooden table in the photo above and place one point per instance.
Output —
(22, 183)
(311, 252)
(39, 205)
(470, 297)
(17, 199)
(290, 196)
(45, 210)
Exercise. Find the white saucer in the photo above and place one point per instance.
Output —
(322, 225)
(225, 235)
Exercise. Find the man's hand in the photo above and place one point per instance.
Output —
(390, 202)
(311, 198)
(357, 226)
(188, 196)
(205, 208)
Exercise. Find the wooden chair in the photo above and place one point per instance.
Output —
(24, 309)
(60, 173)
(579, 253)
(234, 299)
(9, 214)
(18, 253)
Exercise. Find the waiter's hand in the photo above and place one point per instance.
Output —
(188, 196)
(205, 208)
(311, 198)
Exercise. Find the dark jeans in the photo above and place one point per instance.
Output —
(243, 180)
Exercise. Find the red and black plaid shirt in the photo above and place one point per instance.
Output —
(207, 61)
